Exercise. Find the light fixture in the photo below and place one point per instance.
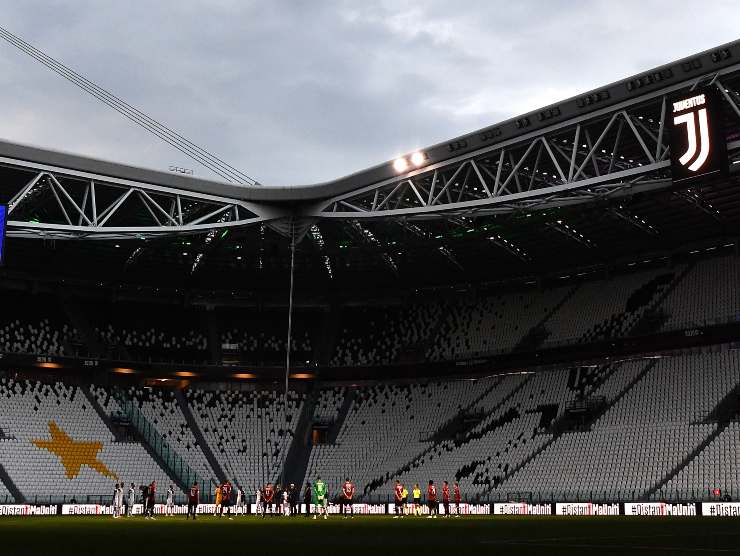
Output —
(417, 159)
(400, 165)
(49, 365)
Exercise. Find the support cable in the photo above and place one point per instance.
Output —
(174, 139)
(287, 346)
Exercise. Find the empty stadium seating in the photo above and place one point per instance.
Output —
(33, 324)
(659, 434)
(248, 431)
(162, 410)
(401, 418)
(708, 294)
(457, 326)
(5, 496)
(261, 335)
(492, 324)
(712, 469)
(604, 309)
(376, 336)
(328, 405)
(56, 447)
(646, 434)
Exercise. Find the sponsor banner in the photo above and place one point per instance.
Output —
(138, 509)
(586, 508)
(359, 509)
(86, 509)
(26, 510)
(522, 508)
(659, 509)
(467, 509)
(720, 509)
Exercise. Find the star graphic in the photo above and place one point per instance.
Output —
(74, 455)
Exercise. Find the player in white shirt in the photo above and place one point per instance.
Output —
(117, 494)
(131, 500)
(170, 509)
(239, 501)
(258, 497)
(286, 503)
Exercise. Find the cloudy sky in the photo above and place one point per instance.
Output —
(295, 92)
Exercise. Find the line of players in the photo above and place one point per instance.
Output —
(401, 494)
(124, 500)
(277, 501)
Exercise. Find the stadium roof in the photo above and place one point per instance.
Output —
(584, 183)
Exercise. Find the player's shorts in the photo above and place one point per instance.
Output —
(432, 505)
(225, 503)
(417, 501)
(321, 502)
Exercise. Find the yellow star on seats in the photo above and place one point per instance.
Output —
(74, 455)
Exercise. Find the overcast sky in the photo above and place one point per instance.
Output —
(295, 92)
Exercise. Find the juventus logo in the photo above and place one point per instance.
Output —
(698, 112)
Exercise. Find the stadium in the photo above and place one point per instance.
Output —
(535, 325)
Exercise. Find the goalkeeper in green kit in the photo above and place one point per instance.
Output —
(319, 497)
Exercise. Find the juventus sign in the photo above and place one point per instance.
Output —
(697, 142)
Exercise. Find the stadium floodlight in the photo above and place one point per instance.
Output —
(418, 158)
(400, 165)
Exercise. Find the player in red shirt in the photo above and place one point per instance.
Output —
(456, 494)
(269, 494)
(446, 498)
(193, 500)
(226, 489)
(348, 492)
(432, 500)
(398, 498)
(152, 498)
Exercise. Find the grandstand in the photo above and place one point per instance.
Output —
(540, 311)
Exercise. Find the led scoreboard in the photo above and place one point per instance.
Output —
(3, 215)
(698, 146)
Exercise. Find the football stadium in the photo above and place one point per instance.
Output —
(522, 339)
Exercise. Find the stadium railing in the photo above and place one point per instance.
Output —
(174, 462)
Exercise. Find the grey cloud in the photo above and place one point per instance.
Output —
(296, 92)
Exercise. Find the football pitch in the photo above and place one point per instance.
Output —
(369, 535)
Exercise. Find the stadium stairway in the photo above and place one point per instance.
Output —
(539, 333)
(728, 407)
(153, 442)
(596, 416)
(457, 424)
(654, 317)
(199, 437)
(101, 413)
(299, 453)
(349, 398)
(388, 477)
(557, 432)
(10, 485)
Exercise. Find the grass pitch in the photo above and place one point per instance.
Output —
(59, 536)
